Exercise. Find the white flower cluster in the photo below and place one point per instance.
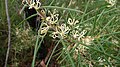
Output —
(44, 29)
(51, 23)
(111, 2)
(32, 3)
(61, 30)
(76, 33)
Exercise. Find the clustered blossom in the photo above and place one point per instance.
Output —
(63, 30)
(78, 35)
(59, 30)
(111, 2)
(51, 23)
(72, 22)
(32, 3)
(76, 32)
(52, 19)
(44, 29)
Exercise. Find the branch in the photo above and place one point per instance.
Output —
(9, 30)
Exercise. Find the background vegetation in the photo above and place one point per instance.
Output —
(102, 24)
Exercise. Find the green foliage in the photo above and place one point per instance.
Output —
(100, 46)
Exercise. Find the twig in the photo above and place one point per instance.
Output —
(9, 30)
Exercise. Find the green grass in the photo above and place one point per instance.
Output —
(101, 22)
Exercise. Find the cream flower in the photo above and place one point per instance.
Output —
(75, 34)
(63, 30)
(55, 34)
(111, 2)
(82, 34)
(32, 3)
(87, 40)
(72, 21)
(53, 19)
(44, 29)
(25, 2)
(38, 5)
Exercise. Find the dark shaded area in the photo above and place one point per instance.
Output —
(33, 22)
